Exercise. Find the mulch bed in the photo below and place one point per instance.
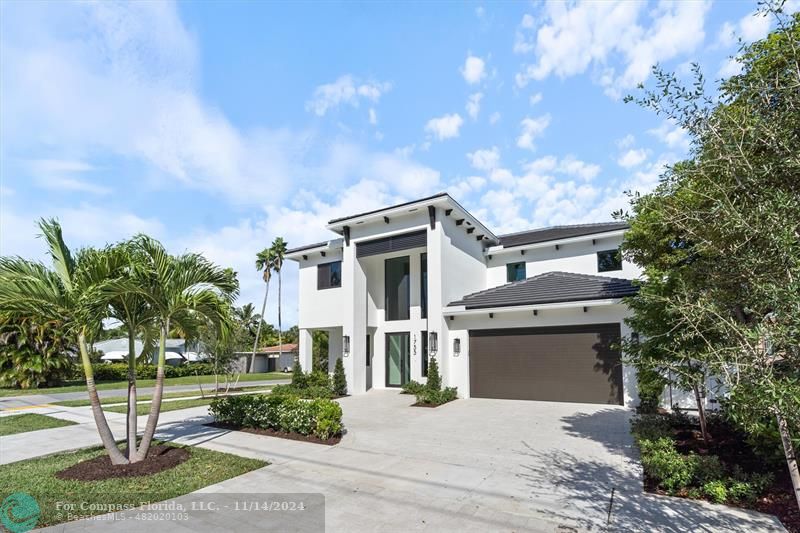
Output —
(159, 458)
(280, 434)
(731, 448)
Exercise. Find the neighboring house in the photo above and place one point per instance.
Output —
(270, 359)
(531, 315)
(175, 346)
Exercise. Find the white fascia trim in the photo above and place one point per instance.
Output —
(463, 311)
(328, 247)
(498, 250)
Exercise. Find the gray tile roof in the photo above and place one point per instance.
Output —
(551, 287)
(558, 232)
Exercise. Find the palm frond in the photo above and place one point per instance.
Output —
(63, 262)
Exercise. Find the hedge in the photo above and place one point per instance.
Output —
(119, 371)
(320, 417)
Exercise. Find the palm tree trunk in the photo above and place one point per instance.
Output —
(131, 427)
(280, 325)
(789, 452)
(258, 330)
(106, 436)
(155, 403)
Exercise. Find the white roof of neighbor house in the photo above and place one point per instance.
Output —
(121, 344)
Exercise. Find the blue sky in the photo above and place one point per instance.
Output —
(217, 126)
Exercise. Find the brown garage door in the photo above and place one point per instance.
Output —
(562, 364)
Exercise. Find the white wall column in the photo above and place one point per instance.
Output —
(436, 294)
(305, 349)
(334, 347)
(354, 282)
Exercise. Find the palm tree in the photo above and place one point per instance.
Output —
(264, 261)
(278, 254)
(180, 289)
(66, 294)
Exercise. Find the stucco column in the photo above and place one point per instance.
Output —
(305, 349)
(354, 283)
(436, 265)
(334, 347)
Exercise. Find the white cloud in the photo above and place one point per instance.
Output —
(730, 67)
(466, 186)
(535, 98)
(626, 142)
(527, 21)
(632, 158)
(480, 12)
(672, 135)
(445, 127)
(474, 105)
(474, 69)
(575, 167)
(345, 90)
(373, 116)
(494, 118)
(485, 159)
(575, 36)
(532, 128)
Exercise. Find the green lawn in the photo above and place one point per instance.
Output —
(9, 425)
(37, 478)
(123, 399)
(144, 408)
(78, 386)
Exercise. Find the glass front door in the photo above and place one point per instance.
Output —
(398, 359)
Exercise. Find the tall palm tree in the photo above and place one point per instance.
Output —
(278, 254)
(264, 261)
(180, 289)
(66, 294)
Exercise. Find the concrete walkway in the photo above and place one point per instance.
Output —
(35, 400)
(472, 465)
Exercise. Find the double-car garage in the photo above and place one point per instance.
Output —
(561, 363)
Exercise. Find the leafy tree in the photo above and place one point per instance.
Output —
(278, 255)
(339, 379)
(32, 353)
(724, 231)
(264, 263)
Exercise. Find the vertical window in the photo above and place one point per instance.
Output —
(515, 271)
(329, 275)
(398, 288)
(424, 353)
(423, 285)
(369, 352)
(609, 260)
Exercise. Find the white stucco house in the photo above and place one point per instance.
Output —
(531, 315)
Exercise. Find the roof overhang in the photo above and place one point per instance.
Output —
(443, 200)
(499, 250)
(298, 253)
(461, 310)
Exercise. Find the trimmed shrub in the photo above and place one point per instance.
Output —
(119, 371)
(437, 397)
(299, 379)
(434, 379)
(320, 417)
(339, 379)
(318, 378)
(662, 462)
(307, 392)
(651, 386)
(412, 387)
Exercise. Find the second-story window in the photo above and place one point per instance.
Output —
(515, 271)
(329, 275)
(609, 260)
(398, 288)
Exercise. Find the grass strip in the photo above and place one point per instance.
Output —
(11, 425)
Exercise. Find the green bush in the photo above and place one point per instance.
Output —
(339, 379)
(412, 387)
(716, 491)
(434, 378)
(706, 468)
(651, 386)
(437, 397)
(299, 379)
(662, 462)
(119, 371)
(318, 378)
(320, 417)
(650, 427)
(307, 392)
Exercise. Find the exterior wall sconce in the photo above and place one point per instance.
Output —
(456, 347)
(346, 345)
(433, 342)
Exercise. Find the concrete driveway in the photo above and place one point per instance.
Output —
(472, 465)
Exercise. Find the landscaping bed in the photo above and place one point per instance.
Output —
(318, 420)
(431, 393)
(38, 477)
(269, 432)
(13, 424)
(159, 458)
(678, 462)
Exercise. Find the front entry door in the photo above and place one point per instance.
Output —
(398, 359)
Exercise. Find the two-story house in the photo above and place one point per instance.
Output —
(532, 315)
